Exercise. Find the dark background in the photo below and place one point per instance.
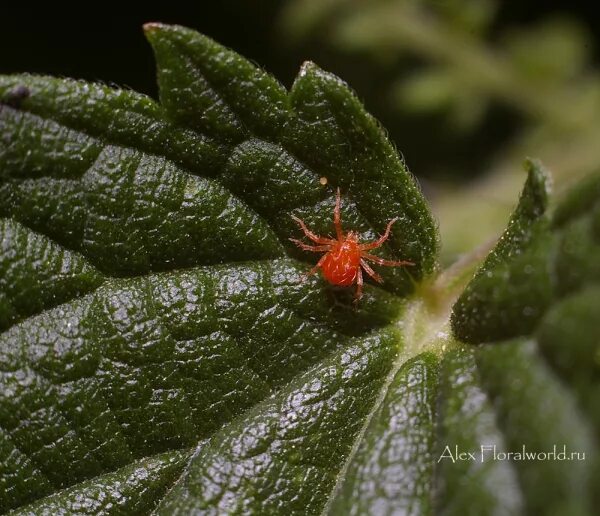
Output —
(100, 42)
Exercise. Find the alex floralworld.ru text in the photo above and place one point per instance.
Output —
(490, 452)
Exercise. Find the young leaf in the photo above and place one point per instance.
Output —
(513, 287)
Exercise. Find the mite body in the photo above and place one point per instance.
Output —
(345, 257)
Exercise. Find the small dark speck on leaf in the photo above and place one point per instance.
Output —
(15, 96)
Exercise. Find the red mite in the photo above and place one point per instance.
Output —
(345, 257)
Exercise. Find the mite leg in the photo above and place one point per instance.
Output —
(381, 239)
(314, 248)
(337, 219)
(310, 234)
(306, 275)
(371, 272)
(381, 261)
(359, 286)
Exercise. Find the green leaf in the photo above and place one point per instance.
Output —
(535, 263)
(36, 273)
(286, 451)
(513, 287)
(160, 352)
(392, 470)
(146, 248)
(574, 321)
(214, 90)
(467, 421)
(128, 211)
(129, 490)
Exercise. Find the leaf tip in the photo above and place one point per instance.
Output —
(311, 73)
(307, 68)
(151, 27)
(537, 187)
(312, 69)
(535, 167)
